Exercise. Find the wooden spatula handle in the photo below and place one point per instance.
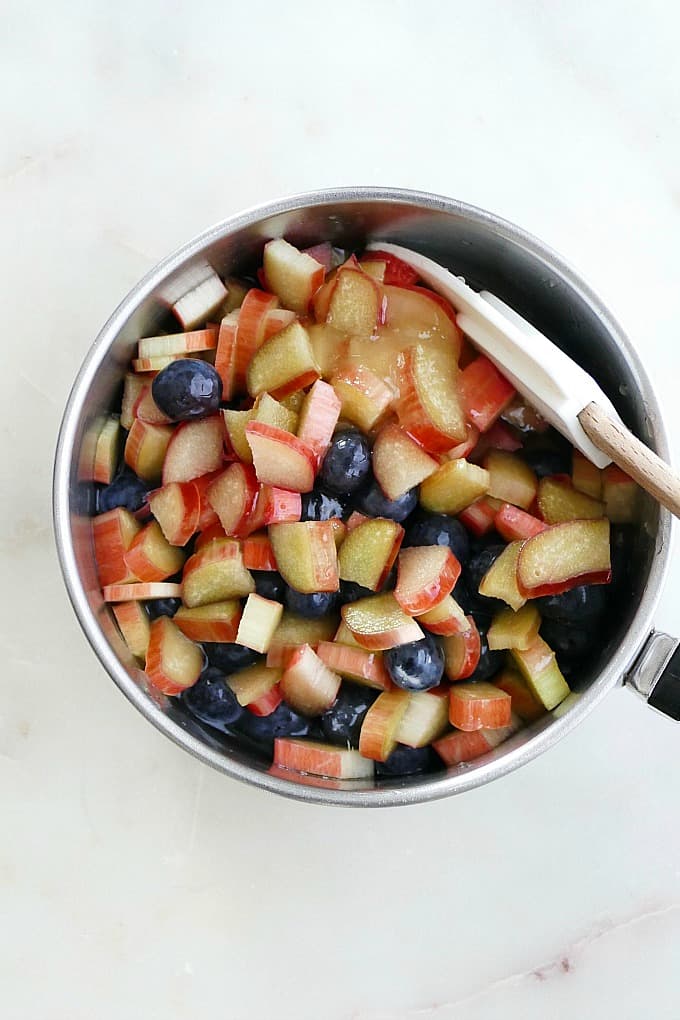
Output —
(632, 456)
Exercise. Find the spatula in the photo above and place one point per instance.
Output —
(555, 385)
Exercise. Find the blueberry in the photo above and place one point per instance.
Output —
(583, 605)
(126, 490)
(477, 566)
(228, 657)
(162, 607)
(439, 529)
(567, 642)
(373, 502)
(187, 388)
(489, 661)
(461, 595)
(547, 462)
(407, 761)
(347, 462)
(269, 584)
(314, 605)
(212, 701)
(320, 506)
(416, 666)
(350, 591)
(341, 724)
(282, 722)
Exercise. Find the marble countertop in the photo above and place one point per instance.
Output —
(133, 880)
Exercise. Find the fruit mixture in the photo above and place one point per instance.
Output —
(336, 532)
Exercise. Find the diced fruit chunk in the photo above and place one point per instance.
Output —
(173, 662)
(292, 275)
(151, 557)
(559, 501)
(133, 385)
(142, 591)
(356, 303)
(585, 476)
(307, 684)
(378, 737)
(355, 663)
(379, 622)
(250, 332)
(512, 523)
(283, 364)
(479, 518)
(216, 573)
(178, 343)
(565, 556)
(318, 417)
(106, 450)
(306, 555)
(425, 719)
(484, 392)
(538, 666)
(225, 356)
(428, 407)
(511, 629)
(133, 622)
(258, 623)
(146, 449)
(455, 485)
(462, 652)
(258, 553)
(426, 575)
(280, 458)
(257, 688)
(318, 759)
(368, 552)
(500, 580)
(196, 448)
(235, 423)
(176, 507)
(294, 631)
(329, 346)
(476, 706)
(445, 618)
(510, 479)
(399, 462)
(620, 493)
(215, 622)
(459, 747)
(524, 703)
(113, 533)
(365, 397)
(196, 304)
(272, 412)
(232, 496)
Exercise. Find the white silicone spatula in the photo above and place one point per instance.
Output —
(557, 387)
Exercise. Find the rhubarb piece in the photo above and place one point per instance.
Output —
(146, 449)
(236, 293)
(399, 463)
(307, 684)
(275, 320)
(356, 305)
(462, 652)
(151, 557)
(275, 506)
(215, 622)
(283, 364)
(148, 410)
(258, 623)
(207, 518)
(306, 555)
(344, 636)
(294, 631)
(524, 704)
(317, 759)
(563, 557)
(329, 346)
(280, 458)
(107, 449)
(235, 423)
(511, 629)
(374, 269)
(425, 719)
(250, 332)
(209, 535)
(173, 662)
(257, 688)
(455, 485)
(397, 272)
(459, 747)
(368, 552)
(232, 496)
(355, 663)
(258, 553)
(464, 449)
(620, 493)
(355, 520)
(133, 385)
(216, 573)
(559, 502)
(500, 580)
(272, 412)
(445, 618)
(113, 533)
(428, 407)
(378, 737)
(538, 666)
(365, 398)
(132, 592)
(479, 518)
(426, 574)
(197, 303)
(378, 622)
(512, 523)
(585, 476)
(318, 417)
(477, 706)
(196, 448)
(484, 392)
(225, 356)
(499, 437)
(178, 343)
(155, 364)
(510, 479)
(133, 623)
(292, 275)
(177, 508)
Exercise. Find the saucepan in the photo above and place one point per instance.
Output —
(489, 253)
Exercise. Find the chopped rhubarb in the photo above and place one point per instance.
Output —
(484, 392)
(426, 575)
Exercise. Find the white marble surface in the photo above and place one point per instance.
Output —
(135, 882)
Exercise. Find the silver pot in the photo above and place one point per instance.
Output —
(489, 253)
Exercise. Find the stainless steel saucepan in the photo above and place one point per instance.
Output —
(490, 253)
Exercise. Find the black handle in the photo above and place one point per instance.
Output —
(665, 695)
(656, 674)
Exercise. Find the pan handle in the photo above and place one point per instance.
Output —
(655, 674)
